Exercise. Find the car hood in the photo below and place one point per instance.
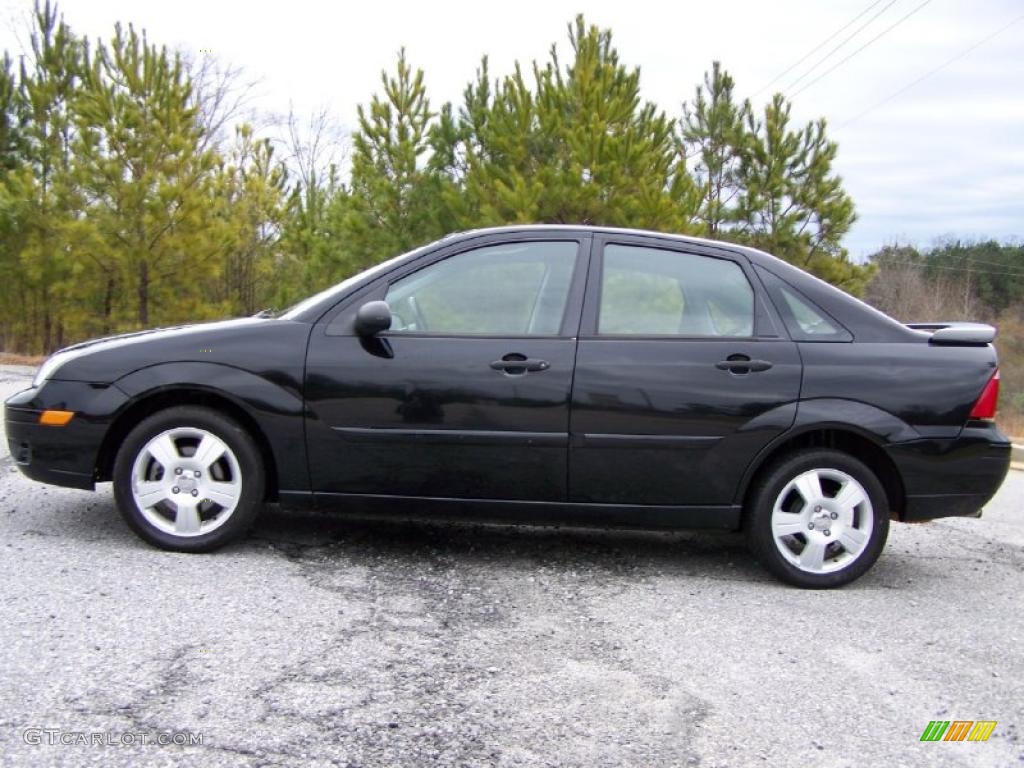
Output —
(182, 341)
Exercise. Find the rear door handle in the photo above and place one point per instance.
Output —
(517, 365)
(742, 364)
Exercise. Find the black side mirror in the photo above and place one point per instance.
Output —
(372, 318)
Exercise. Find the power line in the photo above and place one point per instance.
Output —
(931, 72)
(817, 48)
(828, 55)
(884, 32)
(969, 268)
(976, 260)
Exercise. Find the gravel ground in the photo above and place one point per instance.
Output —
(339, 642)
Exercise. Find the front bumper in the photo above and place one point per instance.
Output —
(65, 455)
(952, 477)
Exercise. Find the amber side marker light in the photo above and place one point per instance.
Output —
(55, 418)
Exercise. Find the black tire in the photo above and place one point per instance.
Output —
(774, 481)
(249, 463)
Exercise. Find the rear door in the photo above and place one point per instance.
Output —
(682, 375)
(467, 395)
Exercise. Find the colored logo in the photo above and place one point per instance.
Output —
(958, 730)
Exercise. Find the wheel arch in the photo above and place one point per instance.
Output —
(847, 438)
(162, 398)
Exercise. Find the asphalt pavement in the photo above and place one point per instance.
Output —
(331, 641)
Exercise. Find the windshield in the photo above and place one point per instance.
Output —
(339, 289)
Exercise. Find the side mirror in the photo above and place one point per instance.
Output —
(372, 318)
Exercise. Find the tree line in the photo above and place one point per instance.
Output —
(132, 196)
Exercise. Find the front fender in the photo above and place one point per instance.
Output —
(273, 400)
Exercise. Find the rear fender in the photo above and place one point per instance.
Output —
(879, 427)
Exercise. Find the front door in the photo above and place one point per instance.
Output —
(681, 377)
(467, 395)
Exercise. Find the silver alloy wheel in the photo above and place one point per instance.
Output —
(186, 481)
(822, 520)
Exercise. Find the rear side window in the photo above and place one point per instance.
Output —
(655, 292)
(810, 321)
(804, 319)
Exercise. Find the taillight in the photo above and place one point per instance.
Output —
(985, 407)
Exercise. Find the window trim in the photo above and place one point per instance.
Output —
(762, 326)
(340, 321)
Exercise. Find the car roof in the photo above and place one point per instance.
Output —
(864, 321)
(596, 229)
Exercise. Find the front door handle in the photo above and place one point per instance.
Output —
(516, 365)
(741, 364)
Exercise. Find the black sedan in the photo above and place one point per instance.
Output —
(567, 375)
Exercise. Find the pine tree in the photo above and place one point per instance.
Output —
(44, 191)
(149, 184)
(12, 180)
(392, 208)
(580, 146)
(250, 193)
(316, 250)
(713, 137)
(792, 203)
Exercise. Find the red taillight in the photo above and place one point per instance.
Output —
(985, 407)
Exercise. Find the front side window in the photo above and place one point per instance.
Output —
(513, 289)
(654, 292)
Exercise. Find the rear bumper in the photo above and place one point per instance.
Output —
(952, 477)
(65, 455)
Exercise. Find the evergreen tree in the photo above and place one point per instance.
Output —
(12, 160)
(44, 191)
(392, 208)
(149, 184)
(250, 194)
(792, 204)
(315, 247)
(580, 146)
(713, 137)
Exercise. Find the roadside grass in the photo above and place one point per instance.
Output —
(9, 358)
(1011, 422)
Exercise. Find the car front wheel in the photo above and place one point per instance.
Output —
(188, 479)
(818, 518)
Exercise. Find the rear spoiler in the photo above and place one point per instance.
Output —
(957, 334)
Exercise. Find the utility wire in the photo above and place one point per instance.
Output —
(970, 268)
(840, 63)
(847, 39)
(931, 72)
(814, 50)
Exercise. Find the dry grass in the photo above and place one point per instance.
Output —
(8, 358)
(1011, 422)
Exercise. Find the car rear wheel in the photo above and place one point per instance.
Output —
(818, 518)
(188, 479)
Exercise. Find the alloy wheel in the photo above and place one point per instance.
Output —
(822, 520)
(186, 481)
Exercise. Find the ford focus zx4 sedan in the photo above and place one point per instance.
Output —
(569, 375)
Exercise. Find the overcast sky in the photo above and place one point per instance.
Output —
(944, 158)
